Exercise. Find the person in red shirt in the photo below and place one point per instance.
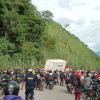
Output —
(78, 73)
(98, 76)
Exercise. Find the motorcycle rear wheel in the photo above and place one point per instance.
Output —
(41, 87)
(84, 94)
(1, 91)
(50, 86)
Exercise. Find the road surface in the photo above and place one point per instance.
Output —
(58, 93)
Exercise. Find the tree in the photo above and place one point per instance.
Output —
(67, 25)
(47, 15)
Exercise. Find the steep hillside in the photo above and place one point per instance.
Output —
(59, 43)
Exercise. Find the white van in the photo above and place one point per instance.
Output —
(55, 64)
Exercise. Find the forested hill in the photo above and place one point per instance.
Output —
(29, 37)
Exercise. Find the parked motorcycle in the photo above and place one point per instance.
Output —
(69, 87)
(87, 92)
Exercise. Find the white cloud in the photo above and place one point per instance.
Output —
(82, 15)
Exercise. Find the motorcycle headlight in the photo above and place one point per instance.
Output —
(3, 79)
(99, 93)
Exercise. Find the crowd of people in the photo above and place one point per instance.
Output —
(32, 77)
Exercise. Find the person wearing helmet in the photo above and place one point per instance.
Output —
(30, 81)
(11, 91)
(34, 72)
(7, 75)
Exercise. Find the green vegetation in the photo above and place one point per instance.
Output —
(27, 36)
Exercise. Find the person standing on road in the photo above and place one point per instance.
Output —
(77, 88)
(30, 81)
(88, 81)
(73, 77)
(67, 78)
(62, 77)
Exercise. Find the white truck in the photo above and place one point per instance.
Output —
(55, 64)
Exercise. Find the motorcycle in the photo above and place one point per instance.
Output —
(40, 84)
(69, 87)
(3, 86)
(98, 95)
(17, 79)
(55, 81)
(50, 84)
(0, 88)
(94, 93)
(87, 92)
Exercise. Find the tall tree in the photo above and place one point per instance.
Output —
(47, 15)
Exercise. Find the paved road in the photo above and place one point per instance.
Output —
(58, 93)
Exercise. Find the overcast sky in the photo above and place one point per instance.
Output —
(82, 15)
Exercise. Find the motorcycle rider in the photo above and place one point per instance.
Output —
(19, 70)
(7, 75)
(11, 91)
(93, 76)
(38, 78)
(30, 81)
(34, 71)
(17, 74)
(49, 77)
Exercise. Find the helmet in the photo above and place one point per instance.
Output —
(98, 80)
(30, 70)
(12, 87)
(50, 71)
(18, 68)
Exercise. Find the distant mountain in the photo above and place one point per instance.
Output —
(98, 53)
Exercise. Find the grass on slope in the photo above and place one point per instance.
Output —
(59, 43)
